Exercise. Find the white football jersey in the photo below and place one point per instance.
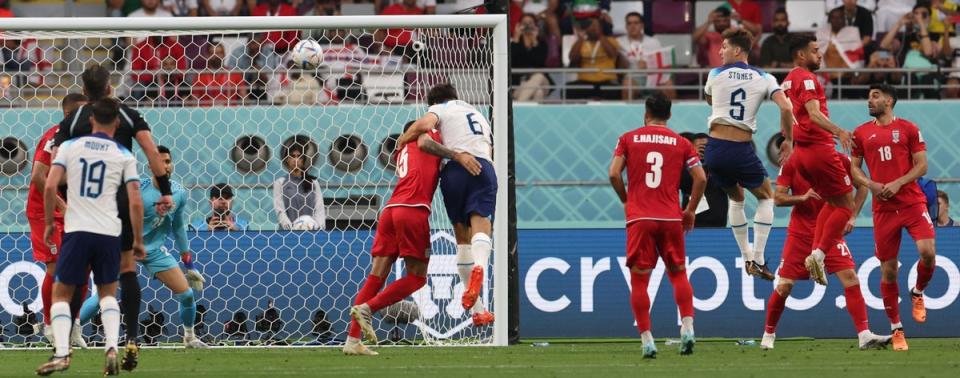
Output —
(96, 166)
(464, 129)
(736, 91)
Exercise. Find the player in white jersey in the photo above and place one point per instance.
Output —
(735, 91)
(94, 167)
(469, 191)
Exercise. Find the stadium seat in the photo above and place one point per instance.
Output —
(702, 9)
(383, 89)
(356, 9)
(806, 15)
(680, 19)
(871, 5)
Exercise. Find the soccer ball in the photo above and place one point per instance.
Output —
(307, 54)
(304, 223)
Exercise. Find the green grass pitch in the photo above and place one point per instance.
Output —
(591, 358)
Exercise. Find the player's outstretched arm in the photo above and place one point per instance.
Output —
(421, 126)
(136, 217)
(616, 177)
(786, 124)
(430, 146)
(890, 189)
(821, 120)
(782, 196)
(55, 178)
(696, 195)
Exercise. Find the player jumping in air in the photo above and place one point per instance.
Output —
(403, 230)
(469, 194)
(95, 168)
(818, 160)
(96, 86)
(735, 91)
(159, 263)
(896, 156)
(654, 158)
(41, 251)
(794, 190)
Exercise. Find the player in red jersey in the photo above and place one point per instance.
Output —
(896, 156)
(42, 252)
(817, 159)
(654, 158)
(794, 190)
(403, 230)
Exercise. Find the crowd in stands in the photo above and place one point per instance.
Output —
(209, 70)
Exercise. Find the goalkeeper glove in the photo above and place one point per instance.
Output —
(194, 278)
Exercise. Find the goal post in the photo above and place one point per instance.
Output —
(239, 141)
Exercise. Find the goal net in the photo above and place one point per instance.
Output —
(286, 248)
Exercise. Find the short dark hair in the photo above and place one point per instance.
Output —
(441, 93)
(723, 11)
(800, 42)
(105, 111)
(72, 99)
(407, 125)
(837, 10)
(886, 89)
(780, 10)
(658, 106)
(164, 150)
(687, 135)
(924, 5)
(634, 14)
(943, 195)
(96, 80)
(699, 136)
(221, 190)
(740, 38)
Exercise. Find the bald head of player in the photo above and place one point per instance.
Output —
(657, 110)
(736, 45)
(805, 53)
(106, 116)
(96, 82)
(71, 102)
(882, 98)
(441, 93)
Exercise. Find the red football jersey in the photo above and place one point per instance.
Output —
(888, 151)
(42, 155)
(801, 86)
(418, 173)
(655, 159)
(803, 217)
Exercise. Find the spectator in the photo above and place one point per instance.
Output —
(5, 9)
(637, 48)
(716, 200)
(325, 8)
(708, 37)
(775, 50)
(282, 40)
(595, 50)
(222, 7)
(222, 217)
(398, 41)
(257, 60)
(181, 8)
(577, 14)
(305, 88)
(529, 49)
(859, 17)
(172, 87)
(951, 88)
(216, 86)
(915, 46)
(943, 212)
(147, 57)
(840, 45)
(746, 14)
(428, 6)
(940, 12)
(514, 15)
(25, 58)
(150, 8)
(889, 13)
(298, 193)
(880, 59)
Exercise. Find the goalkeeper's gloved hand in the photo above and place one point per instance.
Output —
(194, 278)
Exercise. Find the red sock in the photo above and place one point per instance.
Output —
(891, 297)
(396, 291)
(369, 290)
(822, 217)
(682, 292)
(640, 301)
(833, 228)
(775, 308)
(46, 294)
(857, 307)
(924, 274)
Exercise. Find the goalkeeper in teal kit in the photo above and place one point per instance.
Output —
(158, 262)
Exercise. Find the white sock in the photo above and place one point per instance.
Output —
(110, 315)
(481, 246)
(738, 223)
(188, 333)
(464, 263)
(646, 337)
(893, 326)
(914, 291)
(762, 222)
(60, 320)
(686, 324)
(351, 341)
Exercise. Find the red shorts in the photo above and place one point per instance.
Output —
(41, 251)
(796, 249)
(649, 239)
(403, 231)
(888, 225)
(823, 167)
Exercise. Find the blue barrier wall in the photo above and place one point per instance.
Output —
(562, 151)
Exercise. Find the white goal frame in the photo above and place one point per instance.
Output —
(497, 23)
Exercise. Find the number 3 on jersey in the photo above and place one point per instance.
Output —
(652, 178)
